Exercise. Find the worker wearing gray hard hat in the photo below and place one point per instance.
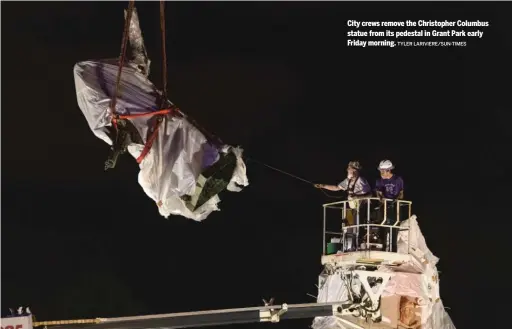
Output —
(356, 187)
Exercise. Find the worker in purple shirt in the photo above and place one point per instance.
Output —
(389, 186)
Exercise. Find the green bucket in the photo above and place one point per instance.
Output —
(333, 248)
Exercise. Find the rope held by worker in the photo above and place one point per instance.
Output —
(294, 176)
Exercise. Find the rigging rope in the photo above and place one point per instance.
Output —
(210, 136)
(164, 53)
(163, 112)
(122, 56)
(282, 171)
(294, 176)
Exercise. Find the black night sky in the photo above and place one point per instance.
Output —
(278, 79)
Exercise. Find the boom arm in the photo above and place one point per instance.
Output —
(211, 318)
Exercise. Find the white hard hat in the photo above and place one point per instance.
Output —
(386, 165)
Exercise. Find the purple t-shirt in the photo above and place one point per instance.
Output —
(391, 187)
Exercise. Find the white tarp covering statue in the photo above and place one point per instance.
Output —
(410, 298)
(182, 167)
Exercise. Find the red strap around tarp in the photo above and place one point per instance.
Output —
(147, 114)
(149, 142)
(153, 135)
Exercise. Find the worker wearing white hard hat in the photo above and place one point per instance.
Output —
(386, 165)
(389, 186)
